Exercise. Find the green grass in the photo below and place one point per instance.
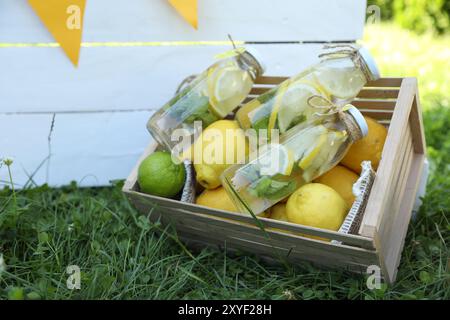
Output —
(400, 53)
(123, 256)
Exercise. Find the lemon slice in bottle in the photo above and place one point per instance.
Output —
(276, 106)
(243, 116)
(300, 141)
(312, 152)
(342, 83)
(326, 155)
(295, 104)
(278, 159)
(227, 87)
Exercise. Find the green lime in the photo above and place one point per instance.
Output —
(160, 176)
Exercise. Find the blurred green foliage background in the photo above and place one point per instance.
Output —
(420, 16)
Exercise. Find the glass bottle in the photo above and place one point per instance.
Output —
(339, 77)
(302, 154)
(211, 96)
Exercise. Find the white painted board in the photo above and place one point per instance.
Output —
(127, 78)
(89, 148)
(156, 20)
(24, 138)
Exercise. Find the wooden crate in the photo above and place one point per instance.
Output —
(394, 102)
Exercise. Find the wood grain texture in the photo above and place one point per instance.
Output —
(418, 130)
(156, 20)
(400, 226)
(218, 215)
(90, 148)
(229, 229)
(390, 159)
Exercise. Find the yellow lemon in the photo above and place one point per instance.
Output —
(368, 148)
(278, 212)
(316, 205)
(341, 180)
(264, 214)
(221, 144)
(217, 199)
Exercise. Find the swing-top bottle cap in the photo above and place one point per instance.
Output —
(258, 58)
(370, 63)
(359, 119)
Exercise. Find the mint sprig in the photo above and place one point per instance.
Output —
(271, 189)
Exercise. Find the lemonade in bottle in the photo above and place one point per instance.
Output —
(339, 77)
(211, 96)
(302, 154)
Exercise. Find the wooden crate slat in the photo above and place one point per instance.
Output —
(390, 159)
(200, 212)
(375, 104)
(386, 123)
(378, 93)
(385, 82)
(416, 121)
(397, 239)
(303, 248)
(283, 240)
(199, 240)
(389, 193)
(378, 115)
(270, 80)
(397, 190)
(256, 91)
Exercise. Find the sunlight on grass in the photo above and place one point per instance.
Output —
(401, 53)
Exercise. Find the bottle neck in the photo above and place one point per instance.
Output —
(249, 63)
(351, 125)
(359, 56)
(362, 65)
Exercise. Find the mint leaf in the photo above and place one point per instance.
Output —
(271, 189)
(297, 120)
(267, 96)
(262, 123)
(193, 107)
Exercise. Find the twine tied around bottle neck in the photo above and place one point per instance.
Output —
(339, 51)
(330, 108)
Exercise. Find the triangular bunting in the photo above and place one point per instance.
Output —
(64, 20)
(187, 9)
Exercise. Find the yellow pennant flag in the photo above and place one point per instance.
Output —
(64, 20)
(187, 9)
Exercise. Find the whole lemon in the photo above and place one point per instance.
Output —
(217, 199)
(160, 176)
(221, 144)
(368, 148)
(316, 205)
(278, 212)
(341, 180)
